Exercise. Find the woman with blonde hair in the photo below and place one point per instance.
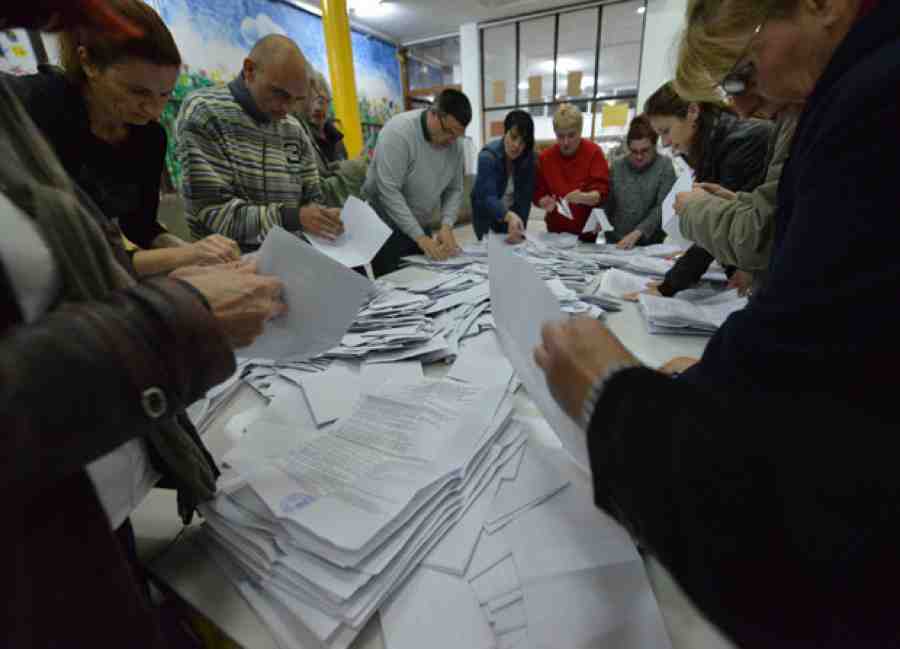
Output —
(764, 477)
(574, 171)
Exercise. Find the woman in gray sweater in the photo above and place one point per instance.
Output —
(639, 182)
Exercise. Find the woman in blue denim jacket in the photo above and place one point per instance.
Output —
(501, 198)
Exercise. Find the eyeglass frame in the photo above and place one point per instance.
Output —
(734, 83)
(446, 131)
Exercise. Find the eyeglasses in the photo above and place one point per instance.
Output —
(446, 130)
(737, 81)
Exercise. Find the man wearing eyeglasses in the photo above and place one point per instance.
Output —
(418, 169)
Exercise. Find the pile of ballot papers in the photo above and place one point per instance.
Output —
(320, 534)
(548, 570)
(682, 315)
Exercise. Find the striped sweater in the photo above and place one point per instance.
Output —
(243, 173)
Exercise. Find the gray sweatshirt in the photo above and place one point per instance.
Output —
(409, 178)
(636, 197)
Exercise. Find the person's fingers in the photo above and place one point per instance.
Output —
(630, 297)
(248, 266)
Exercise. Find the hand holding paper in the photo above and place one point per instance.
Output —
(671, 224)
(362, 235)
(574, 354)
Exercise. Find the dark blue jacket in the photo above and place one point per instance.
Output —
(490, 186)
(776, 454)
(831, 302)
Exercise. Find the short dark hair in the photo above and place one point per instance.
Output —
(456, 104)
(522, 122)
(640, 129)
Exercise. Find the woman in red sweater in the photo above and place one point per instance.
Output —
(573, 169)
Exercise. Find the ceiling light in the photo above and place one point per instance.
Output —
(368, 8)
(641, 10)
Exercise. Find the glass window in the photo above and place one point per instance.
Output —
(500, 66)
(576, 54)
(620, 49)
(536, 60)
(434, 64)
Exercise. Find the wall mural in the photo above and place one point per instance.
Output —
(215, 36)
(16, 54)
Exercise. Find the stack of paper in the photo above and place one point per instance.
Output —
(556, 572)
(321, 535)
(678, 316)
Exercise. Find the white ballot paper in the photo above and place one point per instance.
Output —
(364, 235)
(563, 207)
(670, 221)
(323, 299)
(522, 304)
(598, 217)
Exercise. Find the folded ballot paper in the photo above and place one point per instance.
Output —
(679, 316)
(364, 235)
(670, 221)
(522, 304)
(323, 299)
(322, 533)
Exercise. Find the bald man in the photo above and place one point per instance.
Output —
(248, 165)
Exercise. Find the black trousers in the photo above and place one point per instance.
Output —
(392, 252)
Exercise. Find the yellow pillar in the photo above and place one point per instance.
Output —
(343, 79)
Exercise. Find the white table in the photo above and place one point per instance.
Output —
(197, 580)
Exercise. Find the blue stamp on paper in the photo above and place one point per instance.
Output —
(295, 501)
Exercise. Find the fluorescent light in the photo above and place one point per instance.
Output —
(368, 8)
(523, 85)
(641, 10)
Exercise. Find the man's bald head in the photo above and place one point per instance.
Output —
(276, 48)
(276, 74)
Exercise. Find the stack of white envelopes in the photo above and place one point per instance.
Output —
(320, 536)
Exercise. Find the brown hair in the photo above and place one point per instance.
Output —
(155, 45)
(640, 129)
(716, 35)
(665, 102)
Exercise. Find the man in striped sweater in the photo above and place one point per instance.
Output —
(248, 164)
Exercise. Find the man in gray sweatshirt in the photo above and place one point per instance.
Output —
(418, 167)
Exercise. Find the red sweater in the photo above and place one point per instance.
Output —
(586, 171)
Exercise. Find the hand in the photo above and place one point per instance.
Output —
(241, 300)
(515, 227)
(322, 221)
(652, 289)
(448, 241)
(575, 198)
(683, 199)
(575, 353)
(432, 249)
(678, 365)
(717, 190)
(742, 281)
(214, 249)
(189, 271)
(547, 203)
(629, 241)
